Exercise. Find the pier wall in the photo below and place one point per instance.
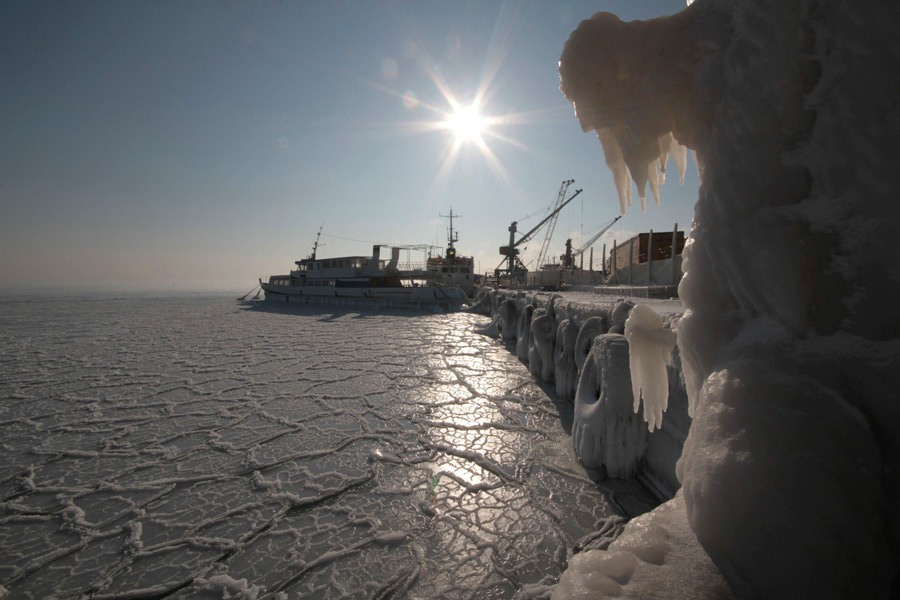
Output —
(580, 348)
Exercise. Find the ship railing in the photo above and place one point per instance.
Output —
(412, 266)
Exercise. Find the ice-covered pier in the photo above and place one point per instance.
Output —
(616, 360)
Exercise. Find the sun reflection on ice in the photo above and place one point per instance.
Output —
(477, 445)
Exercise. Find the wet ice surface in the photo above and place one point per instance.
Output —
(173, 447)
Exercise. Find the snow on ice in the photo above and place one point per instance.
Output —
(195, 448)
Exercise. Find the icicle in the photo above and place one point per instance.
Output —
(665, 142)
(616, 163)
(649, 346)
(697, 161)
(654, 181)
(679, 154)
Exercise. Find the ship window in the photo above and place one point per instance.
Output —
(444, 270)
(464, 270)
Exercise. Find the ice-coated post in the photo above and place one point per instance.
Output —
(603, 263)
(612, 263)
(631, 259)
(674, 246)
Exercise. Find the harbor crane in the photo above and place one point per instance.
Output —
(568, 259)
(514, 266)
(551, 223)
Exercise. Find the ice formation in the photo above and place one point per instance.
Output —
(649, 346)
(523, 332)
(591, 328)
(534, 354)
(619, 315)
(631, 153)
(606, 431)
(655, 556)
(508, 320)
(566, 372)
(789, 342)
(542, 343)
(609, 435)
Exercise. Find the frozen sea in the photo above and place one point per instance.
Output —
(195, 446)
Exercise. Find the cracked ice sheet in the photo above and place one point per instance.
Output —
(165, 446)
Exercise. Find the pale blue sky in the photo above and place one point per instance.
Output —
(200, 145)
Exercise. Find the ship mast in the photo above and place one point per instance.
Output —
(451, 239)
(316, 244)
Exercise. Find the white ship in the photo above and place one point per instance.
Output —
(361, 280)
(450, 269)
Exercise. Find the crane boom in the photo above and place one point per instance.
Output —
(555, 212)
(595, 237)
(511, 252)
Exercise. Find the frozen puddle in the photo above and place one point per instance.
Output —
(194, 447)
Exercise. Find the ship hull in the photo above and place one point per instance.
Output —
(446, 298)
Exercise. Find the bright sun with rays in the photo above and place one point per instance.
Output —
(467, 123)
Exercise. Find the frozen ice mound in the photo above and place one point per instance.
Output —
(790, 272)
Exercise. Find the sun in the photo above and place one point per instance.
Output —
(467, 123)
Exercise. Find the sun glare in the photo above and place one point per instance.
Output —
(469, 130)
(467, 123)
